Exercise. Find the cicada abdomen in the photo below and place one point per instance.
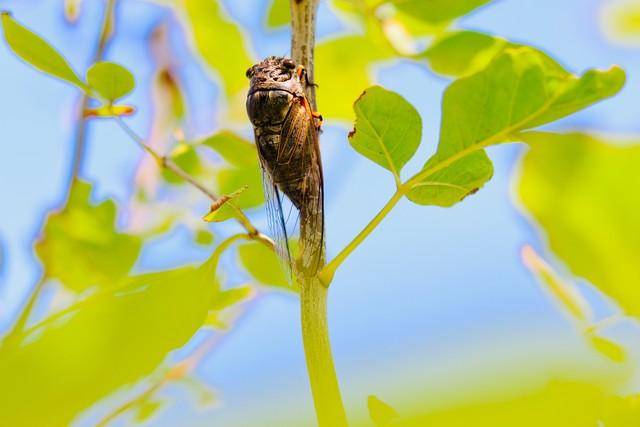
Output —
(286, 134)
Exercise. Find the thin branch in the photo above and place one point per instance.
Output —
(166, 163)
(80, 137)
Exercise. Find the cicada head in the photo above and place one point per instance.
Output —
(274, 83)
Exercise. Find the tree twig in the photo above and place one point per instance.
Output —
(80, 137)
(166, 163)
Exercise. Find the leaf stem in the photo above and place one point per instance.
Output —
(166, 163)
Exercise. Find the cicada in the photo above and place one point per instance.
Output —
(286, 133)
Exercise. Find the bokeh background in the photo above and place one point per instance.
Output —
(437, 302)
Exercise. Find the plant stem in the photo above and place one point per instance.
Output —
(317, 348)
(326, 274)
(313, 294)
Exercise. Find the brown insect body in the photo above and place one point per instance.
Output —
(286, 134)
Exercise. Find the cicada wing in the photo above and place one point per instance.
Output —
(276, 221)
(299, 144)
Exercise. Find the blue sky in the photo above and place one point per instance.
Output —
(431, 288)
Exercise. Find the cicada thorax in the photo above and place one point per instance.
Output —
(286, 135)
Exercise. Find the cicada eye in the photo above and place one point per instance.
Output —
(288, 63)
(249, 72)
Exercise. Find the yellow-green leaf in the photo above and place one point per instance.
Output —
(380, 413)
(521, 89)
(185, 156)
(100, 345)
(437, 11)
(461, 53)
(235, 150)
(387, 128)
(37, 52)
(608, 348)
(343, 71)
(263, 264)
(581, 191)
(563, 292)
(112, 81)
(80, 245)
(279, 13)
(220, 43)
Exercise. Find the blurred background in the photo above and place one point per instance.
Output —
(437, 312)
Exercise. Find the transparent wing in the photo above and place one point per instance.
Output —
(276, 221)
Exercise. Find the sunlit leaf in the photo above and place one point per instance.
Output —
(380, 413)
(387, 129)
(563, 292)
(437, 11)
(463, 52)
(231, 297)
(343, 71)
(521, 89)
(204, 237)
(147, 409)
(279, 13)
(232, 148)
(37, 52)
(112, 81)
(183, 155)
(556, 404)
(581, 190)
(219, 42)
(608, 348)
(230, 180)
(111, 340)
(263, 264)
(220, 209)
(80, 245)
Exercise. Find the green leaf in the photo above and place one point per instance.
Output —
(221, 44)
(562, 291)
(222, 208)
(521, 89)
(80, 245)
(343, 71)
(112, 81)
(581, 191)
(609, 349)
(102, 344)
(437, 11)
(146, 410)
(183, 155)
(461, 53)
(263, 264)
(230, 180)
(279, 14)
(230, 297)
(37, 52)
(204, 237)
(235, 150)
(380, 413)
(387, 129)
